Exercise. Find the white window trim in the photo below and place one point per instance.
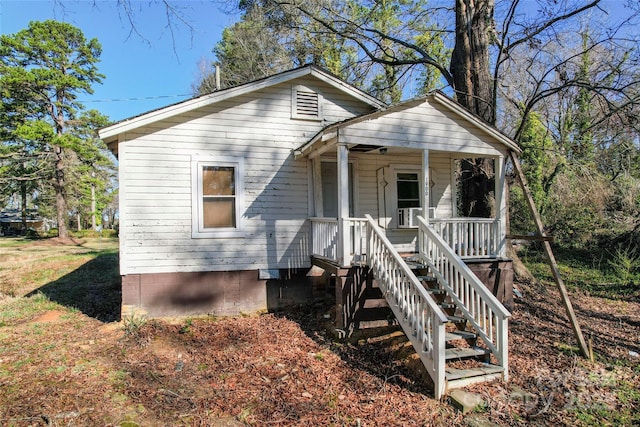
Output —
(395, 170)
(294, 104)
(197, 228)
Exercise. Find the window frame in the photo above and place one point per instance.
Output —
(198, 163)
(418, 180)
(392, 203)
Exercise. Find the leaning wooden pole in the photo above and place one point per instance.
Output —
(552, 260)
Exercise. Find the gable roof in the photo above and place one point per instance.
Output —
(110, 133)
(325, 136)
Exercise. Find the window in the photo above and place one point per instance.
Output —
(407, 198)
(305, 103)
(217, 197)
(408, 190)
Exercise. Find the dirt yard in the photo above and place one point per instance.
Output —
(66, 360)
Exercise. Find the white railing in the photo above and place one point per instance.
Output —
(418, 314)
(358, 234)
(407, 216)
(478, 305)
(324, 241)
(324, 232)
(470, 237)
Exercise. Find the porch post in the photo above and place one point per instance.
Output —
(344, 241)
(317, 188)
(501, 205)
(426, 179)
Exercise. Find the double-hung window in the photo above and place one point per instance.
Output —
(217, 189)
(408, 189)
(407, 198)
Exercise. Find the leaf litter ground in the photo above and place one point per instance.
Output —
(61, 366)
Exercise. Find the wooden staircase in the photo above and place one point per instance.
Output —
(467, 361)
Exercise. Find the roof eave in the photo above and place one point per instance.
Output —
(491, 130)
(110, 133)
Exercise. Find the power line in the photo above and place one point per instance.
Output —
(145, 98)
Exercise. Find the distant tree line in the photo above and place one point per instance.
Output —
(561, 78)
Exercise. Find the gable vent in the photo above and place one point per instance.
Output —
(305, 104)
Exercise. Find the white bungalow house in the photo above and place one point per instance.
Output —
(223, 195)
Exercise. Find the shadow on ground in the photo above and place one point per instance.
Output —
(94, 288)
(384, 353)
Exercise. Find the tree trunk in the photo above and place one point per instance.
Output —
(470, 66)
(473, 86)
(23, 196)
(61, 200)
(93, 206)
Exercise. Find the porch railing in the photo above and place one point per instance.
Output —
(470, 237)
(478, 305)
(324, 242)
(324, 232)
(419, 316)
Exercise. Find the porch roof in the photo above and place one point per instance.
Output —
(422, 135)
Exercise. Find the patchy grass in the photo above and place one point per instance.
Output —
(80, 274)
(63, 361)
(612, 274)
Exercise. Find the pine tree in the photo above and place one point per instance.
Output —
(43, 69)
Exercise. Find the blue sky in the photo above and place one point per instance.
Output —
(151, 69)
(136, 66)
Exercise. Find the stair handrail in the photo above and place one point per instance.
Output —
(419, 315)
(477, 304)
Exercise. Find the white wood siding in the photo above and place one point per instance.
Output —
(155, 183)
(433, 125)
(367, 165)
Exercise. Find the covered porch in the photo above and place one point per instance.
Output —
(384, 197)
(396, 165)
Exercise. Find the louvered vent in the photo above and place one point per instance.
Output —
(306, 104)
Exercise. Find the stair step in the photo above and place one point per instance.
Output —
(486, 369)
(376, 324)
(465, 353)
(373, 313)
(456, 319)
(375, 303)
(426, 278)
(447, 305)
(436, 291)
(414, 265)
(459, 335)
(373, 293)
